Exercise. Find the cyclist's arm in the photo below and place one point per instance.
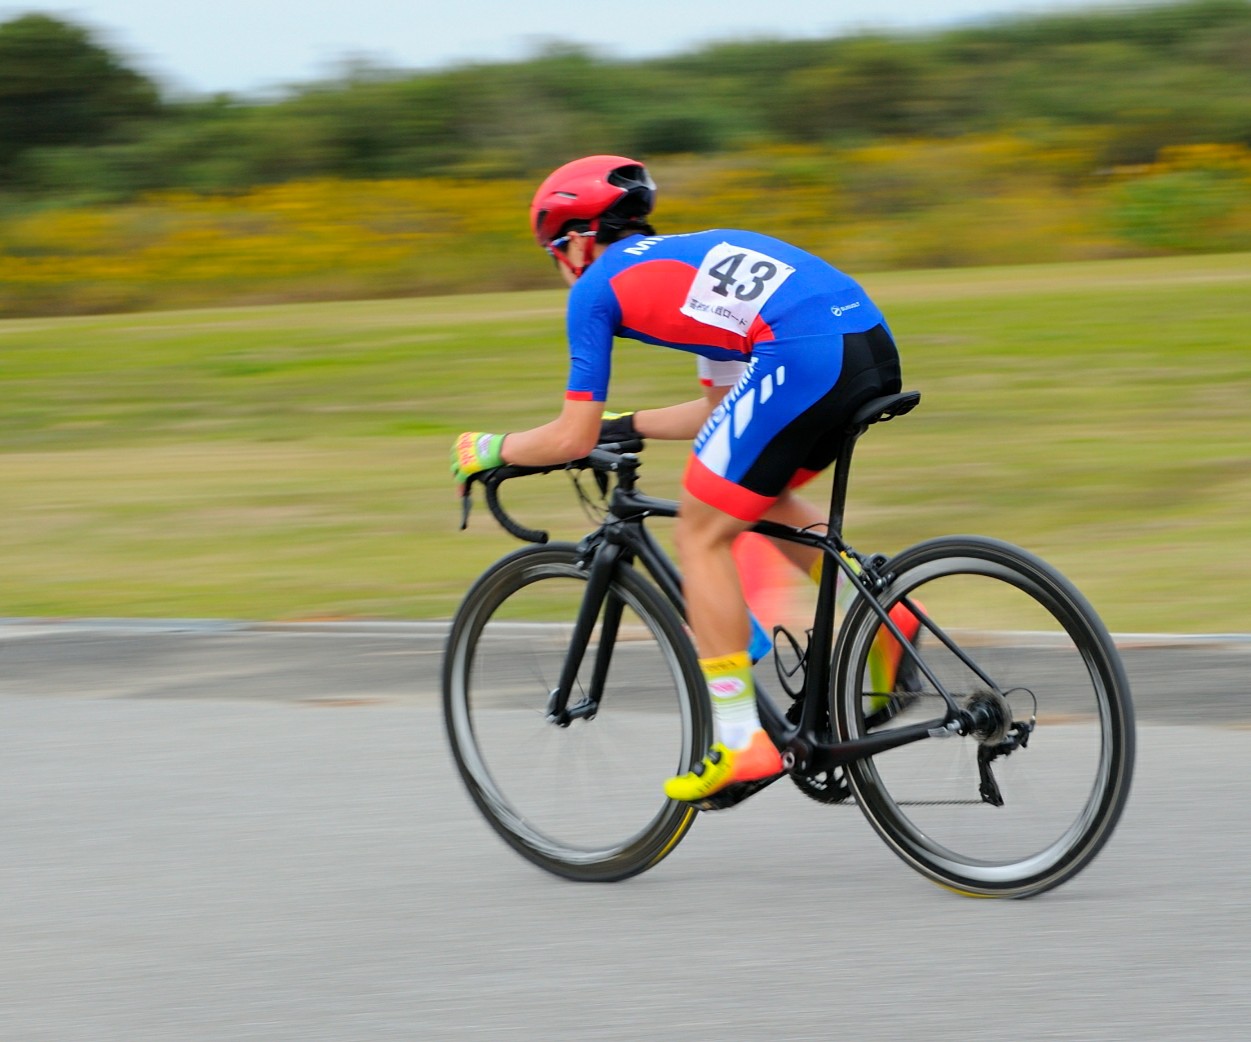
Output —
(570, 436)
(678, 422)
(674, 422)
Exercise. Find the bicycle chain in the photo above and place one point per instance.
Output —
(831, 788)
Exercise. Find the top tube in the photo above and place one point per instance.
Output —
(625, 502)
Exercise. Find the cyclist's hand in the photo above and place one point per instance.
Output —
(617, 426)
(473, 452)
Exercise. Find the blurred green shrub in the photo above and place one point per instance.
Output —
(1194, 200)
(991, 199)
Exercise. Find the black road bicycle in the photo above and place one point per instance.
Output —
(997, 765)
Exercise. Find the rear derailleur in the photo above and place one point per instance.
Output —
(999, 735)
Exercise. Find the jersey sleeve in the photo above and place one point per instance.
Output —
(593, 317)
(716, 373)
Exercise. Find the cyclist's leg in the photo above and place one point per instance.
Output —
(793, 510)
(714, 598)
(796, 395)
(717, 507)
(886, 655)
(717, 613)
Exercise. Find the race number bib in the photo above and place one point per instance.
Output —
(732, 285)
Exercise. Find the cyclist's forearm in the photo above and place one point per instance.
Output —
(570, 436)
(674, 422)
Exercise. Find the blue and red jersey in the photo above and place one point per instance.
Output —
(722, 294)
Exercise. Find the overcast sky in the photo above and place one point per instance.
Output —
(254, 45)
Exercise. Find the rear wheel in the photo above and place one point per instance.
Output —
(1028, 800)
(584, 801)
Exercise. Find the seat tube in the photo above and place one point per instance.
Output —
(821, 643)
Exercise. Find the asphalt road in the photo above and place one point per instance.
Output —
(219, 832)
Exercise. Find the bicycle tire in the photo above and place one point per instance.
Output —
(1035, 635)
(585, 801)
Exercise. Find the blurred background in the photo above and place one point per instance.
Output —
(243, 309)
(1089, 134)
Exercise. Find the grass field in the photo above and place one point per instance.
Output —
(290, 462)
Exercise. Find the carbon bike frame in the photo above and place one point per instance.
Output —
(623, 539)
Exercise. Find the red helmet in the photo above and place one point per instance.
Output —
(603, 191)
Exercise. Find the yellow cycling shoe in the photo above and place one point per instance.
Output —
(723, 767)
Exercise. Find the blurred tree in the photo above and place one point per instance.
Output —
(1137, 78)
(870, 86)
(667, 134)
(58, 87)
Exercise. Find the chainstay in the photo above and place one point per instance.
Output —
(915, 696)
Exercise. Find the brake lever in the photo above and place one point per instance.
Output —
(466, 503)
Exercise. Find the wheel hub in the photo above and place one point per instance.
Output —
(990, 716)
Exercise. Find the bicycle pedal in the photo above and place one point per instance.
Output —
(734, 794)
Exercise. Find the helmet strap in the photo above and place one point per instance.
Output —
(588, 237)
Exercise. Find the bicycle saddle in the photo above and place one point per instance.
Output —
(879, 410)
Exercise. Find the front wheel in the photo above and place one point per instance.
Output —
(1026, 800)
(584, 801)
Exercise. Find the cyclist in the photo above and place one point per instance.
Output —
(815, 347)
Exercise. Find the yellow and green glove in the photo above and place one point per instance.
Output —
(473, 452)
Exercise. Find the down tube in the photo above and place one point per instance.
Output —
(659, 567)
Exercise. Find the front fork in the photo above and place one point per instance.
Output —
(598, 598)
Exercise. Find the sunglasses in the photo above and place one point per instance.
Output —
(562, 244)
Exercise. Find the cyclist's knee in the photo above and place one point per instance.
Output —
(703, 528)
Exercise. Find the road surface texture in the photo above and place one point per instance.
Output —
(217, 831)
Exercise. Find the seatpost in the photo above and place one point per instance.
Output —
(842, 471)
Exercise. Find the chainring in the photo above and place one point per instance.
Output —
(823, 786)
(831, 786)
